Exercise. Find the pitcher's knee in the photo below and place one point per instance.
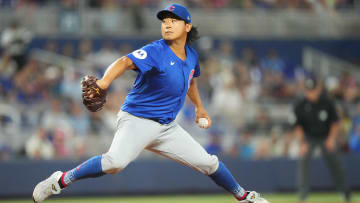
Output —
(209, 165)
(112, 164)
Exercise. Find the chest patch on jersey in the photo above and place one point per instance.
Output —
(140, 54)
(323, 115)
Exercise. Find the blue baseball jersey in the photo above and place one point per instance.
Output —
(162, 82)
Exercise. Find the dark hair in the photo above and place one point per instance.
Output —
(193, 35)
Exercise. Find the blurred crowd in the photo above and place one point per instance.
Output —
(248, 96)
(324, 5)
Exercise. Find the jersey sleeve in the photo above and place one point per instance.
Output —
(197, 68)
(144, 58)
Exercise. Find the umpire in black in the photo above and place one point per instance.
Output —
(317, 126)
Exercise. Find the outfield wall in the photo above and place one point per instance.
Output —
(161, 176)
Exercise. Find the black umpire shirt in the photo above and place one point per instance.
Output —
(316, 118)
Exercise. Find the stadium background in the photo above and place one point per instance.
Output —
(254, 56)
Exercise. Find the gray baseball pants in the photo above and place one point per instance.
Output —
(134, 134)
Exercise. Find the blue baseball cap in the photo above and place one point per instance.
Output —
(176, 9)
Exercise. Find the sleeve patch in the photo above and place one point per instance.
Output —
(140, 54)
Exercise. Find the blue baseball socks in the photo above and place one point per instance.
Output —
(223, 178)
(90, 168)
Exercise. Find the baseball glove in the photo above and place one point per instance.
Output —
(93, 96)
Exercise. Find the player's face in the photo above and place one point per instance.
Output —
(313, 94)
(172, 28)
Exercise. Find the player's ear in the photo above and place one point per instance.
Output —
(188, 27)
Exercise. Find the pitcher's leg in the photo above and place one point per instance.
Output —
(129, 141)
(90, 168)
(178, 145)
(132, 136)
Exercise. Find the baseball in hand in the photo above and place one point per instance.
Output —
(203, 123)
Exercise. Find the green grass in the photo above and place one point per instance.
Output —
(273, 198)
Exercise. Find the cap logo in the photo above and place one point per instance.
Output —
(188, 17)
(171, 8)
